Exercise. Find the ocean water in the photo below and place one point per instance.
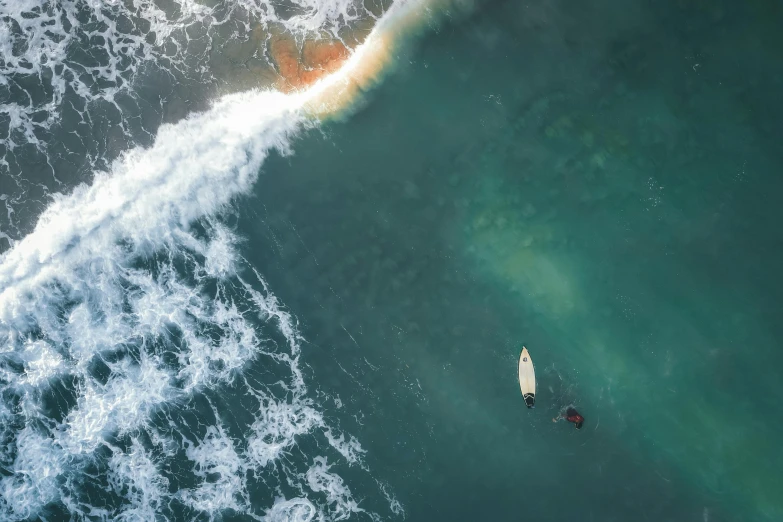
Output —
(221, 299)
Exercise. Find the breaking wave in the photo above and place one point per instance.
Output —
(94, 49)
(128, 316)
(147, 371)
(70, 99)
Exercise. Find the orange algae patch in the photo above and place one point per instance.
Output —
(302, 67)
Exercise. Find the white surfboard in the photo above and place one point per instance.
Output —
(527, 378)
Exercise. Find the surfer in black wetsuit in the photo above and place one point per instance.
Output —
(571, 415)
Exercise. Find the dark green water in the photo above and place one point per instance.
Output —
(599, 181)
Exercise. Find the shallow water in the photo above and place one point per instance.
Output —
(338, 337)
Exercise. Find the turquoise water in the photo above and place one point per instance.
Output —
(599, 182)
(227, 311)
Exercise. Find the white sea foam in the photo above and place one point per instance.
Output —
(36, 469)
(310, 15)
(129, 291)
(149, 201)
(38, 40)
(394, 505)
(101, 278)
(220, 254)
(217, 463)
(339, 499)
(41, 363)
(349, 448)
(134, 475)
(120, 406)
(293, 510)
(276, 428)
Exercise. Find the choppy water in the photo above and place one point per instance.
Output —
(214, 306)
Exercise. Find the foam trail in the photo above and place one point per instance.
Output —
(36, 468)
(218, 464)
(338, 496)
(276, 428)
(135, 476)
(124, 308)
(154, 194)
(294, 510)
(121, 405)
